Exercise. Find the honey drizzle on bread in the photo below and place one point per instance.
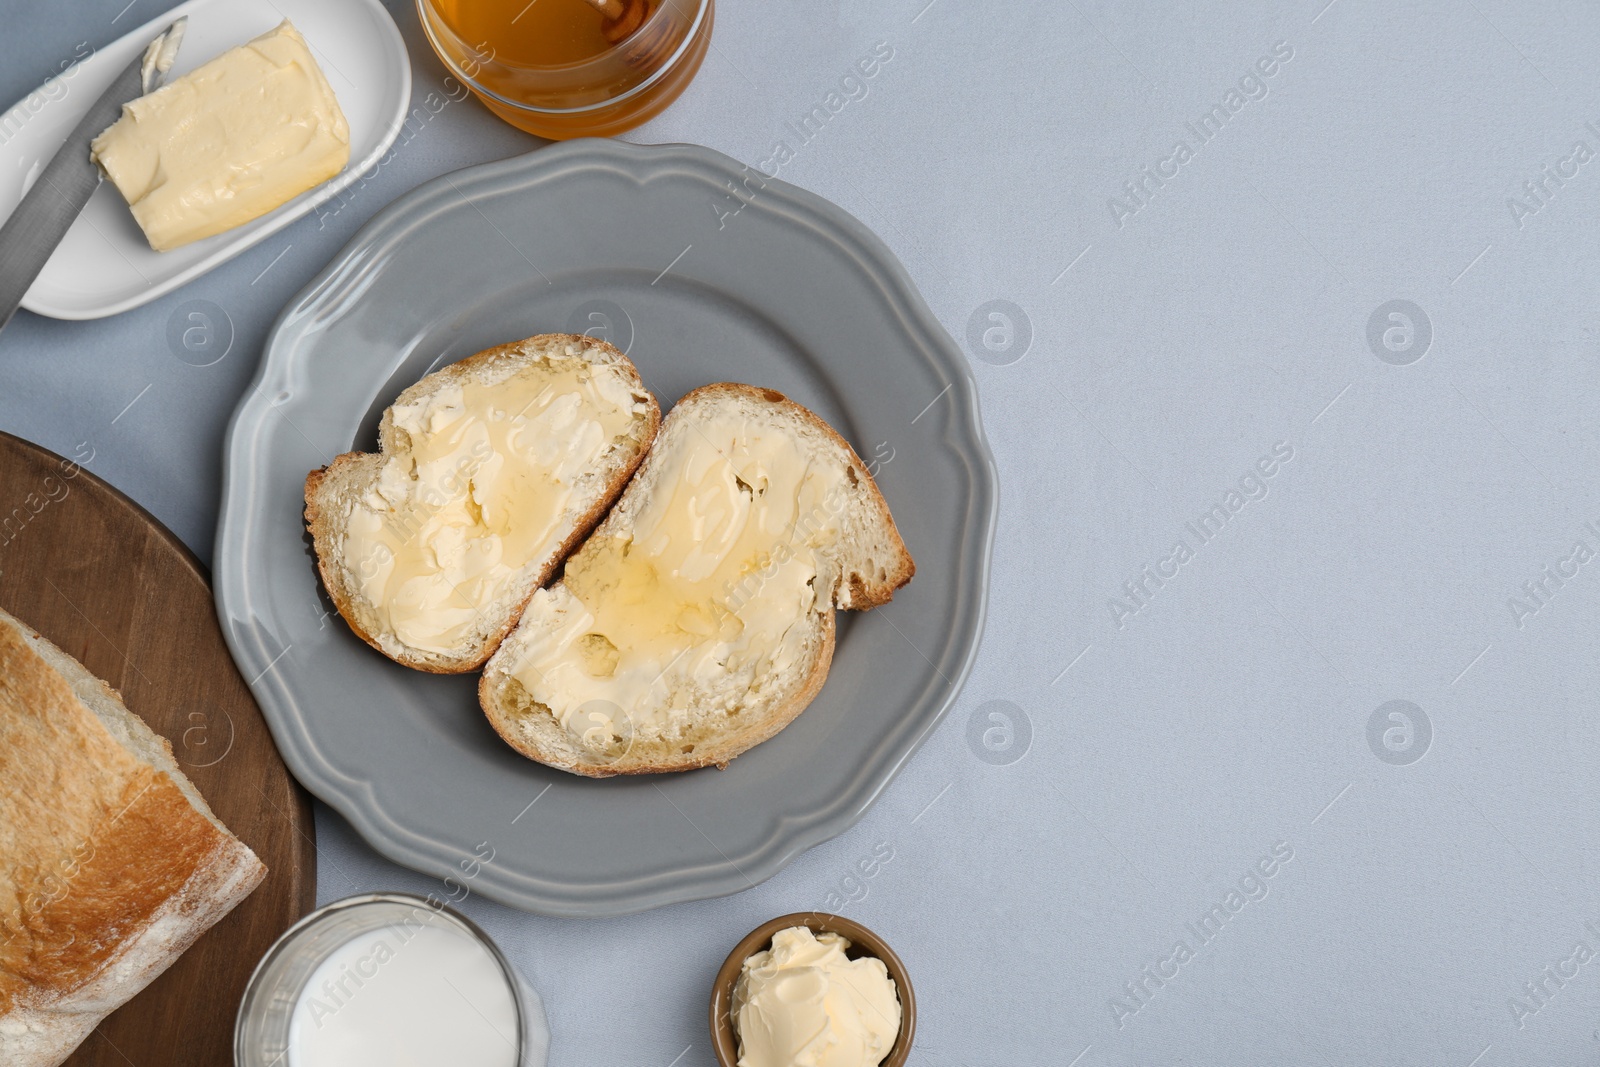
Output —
(677, 639)
(404, 505)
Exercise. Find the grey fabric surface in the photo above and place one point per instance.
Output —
(1177, 816)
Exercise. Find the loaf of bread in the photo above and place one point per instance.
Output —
(698, 619)
(111, 864)
(489, 472)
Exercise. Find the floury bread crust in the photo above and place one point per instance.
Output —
(334, 493)
(718, 718)
(111, 864)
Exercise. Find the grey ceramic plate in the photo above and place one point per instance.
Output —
(652, 248)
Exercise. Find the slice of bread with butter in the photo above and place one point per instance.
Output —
(488, 473)
(698, 620)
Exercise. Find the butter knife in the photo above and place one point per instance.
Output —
(53, 202)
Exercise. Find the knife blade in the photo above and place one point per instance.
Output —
(55, 199)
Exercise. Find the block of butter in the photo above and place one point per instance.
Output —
(227, 142)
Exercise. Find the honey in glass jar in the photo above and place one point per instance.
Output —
(571, 68)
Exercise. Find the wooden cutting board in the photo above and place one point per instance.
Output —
(93, 572)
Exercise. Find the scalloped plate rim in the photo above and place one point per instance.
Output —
(356, 798)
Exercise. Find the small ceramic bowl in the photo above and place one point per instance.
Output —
(863, 942)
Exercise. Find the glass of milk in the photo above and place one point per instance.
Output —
(388, 980)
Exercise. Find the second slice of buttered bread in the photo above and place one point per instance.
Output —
(488, 473)
(698, 619)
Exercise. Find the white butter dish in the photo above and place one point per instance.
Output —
(104, 265)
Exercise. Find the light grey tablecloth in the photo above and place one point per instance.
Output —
(1248, 502)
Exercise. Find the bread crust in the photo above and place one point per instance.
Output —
(323, 523)
(718, 754)
(853, 594)
(111, 864)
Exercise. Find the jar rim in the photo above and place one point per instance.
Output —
(701, 8)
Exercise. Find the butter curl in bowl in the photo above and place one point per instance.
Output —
(816, 990)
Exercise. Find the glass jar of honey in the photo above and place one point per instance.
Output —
(571, 68)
